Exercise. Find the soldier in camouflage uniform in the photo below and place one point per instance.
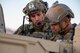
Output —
(36, 12)
(59, 18)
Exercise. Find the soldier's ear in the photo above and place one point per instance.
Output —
(66, 21)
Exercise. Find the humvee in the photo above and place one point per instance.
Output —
(23, 44)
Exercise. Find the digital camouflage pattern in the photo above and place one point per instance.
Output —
(32, 31)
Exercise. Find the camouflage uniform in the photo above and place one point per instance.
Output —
(30, 29)
(68, 36)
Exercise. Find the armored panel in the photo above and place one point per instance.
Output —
(2, 23)
(76, 40)
(23, 44)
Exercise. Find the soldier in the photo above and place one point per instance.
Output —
(59, 18)
(36, 12)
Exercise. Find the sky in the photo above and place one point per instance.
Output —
(13, 14)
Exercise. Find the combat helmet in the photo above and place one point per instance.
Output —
(43, 2)
(34, 6)
(57, 12)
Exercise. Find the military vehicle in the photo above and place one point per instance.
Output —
(2, 23)
(22, 44)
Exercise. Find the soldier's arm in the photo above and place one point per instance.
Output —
(23, 30)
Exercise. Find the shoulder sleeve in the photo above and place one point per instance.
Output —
(22, 30)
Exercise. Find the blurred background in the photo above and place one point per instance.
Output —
(13, 14)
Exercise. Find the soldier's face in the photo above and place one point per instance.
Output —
(37, 18)
(55, 28)
(62, 25)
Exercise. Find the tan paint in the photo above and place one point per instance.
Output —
(23, 44)
(76, 41)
